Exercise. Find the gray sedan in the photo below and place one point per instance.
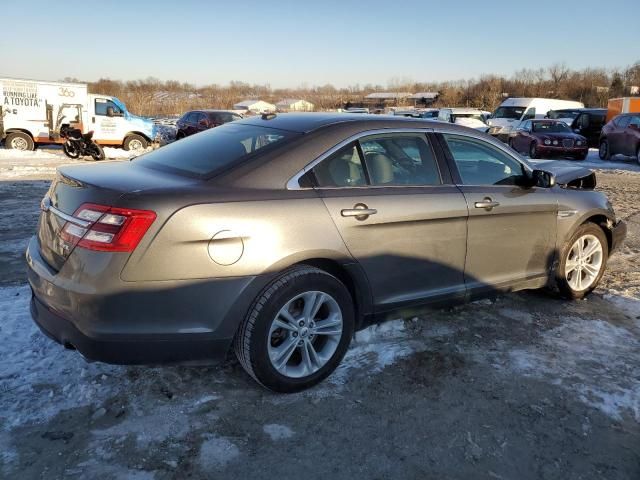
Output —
(278, 236)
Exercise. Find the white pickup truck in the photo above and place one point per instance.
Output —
(33, 111)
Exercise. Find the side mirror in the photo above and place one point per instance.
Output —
(111, 112)
(541, 178)
(203, 123)
(634, 126)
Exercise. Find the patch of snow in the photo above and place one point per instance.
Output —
(42, 378)
(217, 452)
(593, 358)
(593, 162)
(277, 432)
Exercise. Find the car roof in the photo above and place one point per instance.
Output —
(545, 120)
(308, 122)
(463, 110)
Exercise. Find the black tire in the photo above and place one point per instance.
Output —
(561, 278)
(132, 142)
(533, 150)
(70, 151)
(96, 152)
(179, 136)
(251, 341)
(15, 139)
(604, 151)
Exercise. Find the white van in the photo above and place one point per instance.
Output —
(508, 116)
(33, 111)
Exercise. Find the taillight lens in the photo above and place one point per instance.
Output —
(108, 229)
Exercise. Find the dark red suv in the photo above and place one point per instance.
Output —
(199, 120)
(621, 136)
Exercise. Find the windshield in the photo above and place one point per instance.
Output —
(550, 127)
(555, 114)
(212, 150)
(509, 112)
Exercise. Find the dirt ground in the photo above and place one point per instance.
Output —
(525, 387)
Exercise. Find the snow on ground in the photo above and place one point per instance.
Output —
(43, 162)
(593, 162)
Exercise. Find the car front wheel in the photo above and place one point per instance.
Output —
(297, 331)
(533, 150)
(604, 152)
(584, 258)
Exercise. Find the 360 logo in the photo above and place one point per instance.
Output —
(65, 92)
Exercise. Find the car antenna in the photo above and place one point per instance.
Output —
(268, 116)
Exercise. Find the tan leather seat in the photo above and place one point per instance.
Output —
(380, 169)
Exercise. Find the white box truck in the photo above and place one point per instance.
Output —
(508, 116)
(33, 111)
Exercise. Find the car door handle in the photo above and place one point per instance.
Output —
(360, 211)
(487, 204)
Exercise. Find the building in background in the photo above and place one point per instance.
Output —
(294, 105)
(255, 106)
(423, 99)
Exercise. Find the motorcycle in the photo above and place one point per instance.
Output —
(78, 145)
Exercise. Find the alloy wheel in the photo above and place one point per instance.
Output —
(305, 334)
(584, 262)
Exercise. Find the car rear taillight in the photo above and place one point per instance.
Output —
(108, 229)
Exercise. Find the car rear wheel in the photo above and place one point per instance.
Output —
(604, 152)
(297, 330)
(19, 141)
(584, 258)
(533, 150)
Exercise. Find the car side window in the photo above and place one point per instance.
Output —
(102, 104)
(583, 120)
(531, 113)
(341, 169)
(622, 122)
(635, 121)
(480, 163)
(400, 159)
(199, 117)
(189, 117)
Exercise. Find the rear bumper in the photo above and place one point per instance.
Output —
(129, 350)
(618, 234)
(190, 321)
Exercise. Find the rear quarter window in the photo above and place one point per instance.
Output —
(204, 154)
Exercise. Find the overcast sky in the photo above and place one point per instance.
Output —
(293, 43)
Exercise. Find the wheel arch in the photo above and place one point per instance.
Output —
(353, 277)
(135, 132)
(19, 130)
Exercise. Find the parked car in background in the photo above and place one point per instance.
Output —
(200, 120)
(513, 111)
(272, 236)
(548, 138)
(467, 117)
(426, 113)
(566, 115)
(589, 123)
(617, 106)
(621, 136)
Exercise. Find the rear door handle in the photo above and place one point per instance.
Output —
(360, 211)
(487, 204)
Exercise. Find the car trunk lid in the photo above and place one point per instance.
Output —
(101, 184)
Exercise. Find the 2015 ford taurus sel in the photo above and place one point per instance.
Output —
(278, 236)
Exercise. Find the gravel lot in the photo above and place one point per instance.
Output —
(524, 387)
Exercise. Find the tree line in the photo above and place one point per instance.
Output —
(592, 86)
